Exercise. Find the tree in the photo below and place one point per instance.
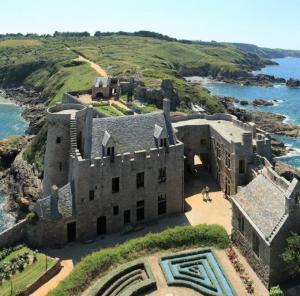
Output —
(291, 254)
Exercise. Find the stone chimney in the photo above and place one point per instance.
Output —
(166, 107)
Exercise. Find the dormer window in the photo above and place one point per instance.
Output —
(161, 136)
(110, 151)
(108, 145)
(163, 142)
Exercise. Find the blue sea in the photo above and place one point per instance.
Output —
(288, 99)
(11, 123)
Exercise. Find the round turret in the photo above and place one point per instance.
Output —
(65, 124)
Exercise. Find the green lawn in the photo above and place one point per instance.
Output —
(109, 110)
(30, 274)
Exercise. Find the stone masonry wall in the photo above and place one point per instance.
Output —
(98, 176)
(13, 235)
(261, 264)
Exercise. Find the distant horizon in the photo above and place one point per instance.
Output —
(267, 23)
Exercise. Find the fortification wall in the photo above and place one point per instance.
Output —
(96, 175)
(13, 235)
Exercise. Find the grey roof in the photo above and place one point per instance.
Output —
(130, 133)
(102, 81)
(51, 208)
(263, 202)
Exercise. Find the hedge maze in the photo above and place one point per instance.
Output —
(128, 280)
(198, 270)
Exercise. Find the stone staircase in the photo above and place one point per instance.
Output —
(73, 135)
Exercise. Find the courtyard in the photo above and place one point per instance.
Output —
(197, 211)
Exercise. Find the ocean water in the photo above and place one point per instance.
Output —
(11, 123)
(288, 99)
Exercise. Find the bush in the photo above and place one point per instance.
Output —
(100, 262)
(32, 217)
(276, 291)
(291, 254)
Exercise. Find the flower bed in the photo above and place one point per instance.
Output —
(238, 266)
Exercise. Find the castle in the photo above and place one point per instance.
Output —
(107, 174)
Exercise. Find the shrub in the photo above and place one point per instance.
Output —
(276, 291)
(100, 262)
(291, 254)
(32, 217)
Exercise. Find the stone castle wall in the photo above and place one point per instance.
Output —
(13, 235)
(97, 176)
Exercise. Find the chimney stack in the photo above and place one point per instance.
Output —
(166, 107)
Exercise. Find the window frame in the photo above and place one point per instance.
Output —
(140, 180)
(115, 187)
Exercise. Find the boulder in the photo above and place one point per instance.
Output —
(244, 103)
(262, 102)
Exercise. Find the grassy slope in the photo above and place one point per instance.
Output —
(46, 64)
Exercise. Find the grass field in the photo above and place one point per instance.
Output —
(17, 43)
(109, 110)
(30, 274)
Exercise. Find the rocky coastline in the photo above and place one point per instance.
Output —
(20, 180)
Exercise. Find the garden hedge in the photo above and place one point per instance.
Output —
(100, 262)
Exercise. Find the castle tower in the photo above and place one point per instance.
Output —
(65, 124)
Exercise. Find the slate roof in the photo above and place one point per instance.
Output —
(51, 208)
(102, 81)
(130, 133)
(263, 202)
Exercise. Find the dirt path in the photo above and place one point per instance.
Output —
(67, 267)
(93, 65)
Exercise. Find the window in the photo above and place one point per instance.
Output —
(163, 142)
(92, 195)
(140, 180)
(115, 185)
(242, 166)
(203, 141)
(127, 217)
(116, 210)
(162, 204)
(255, 243)
(227, 159)
(227, 185)
(218, 150)
(58, 140)
(60, 166)
(241, 223)
(110, 151)
(140, 210)
(162, 175)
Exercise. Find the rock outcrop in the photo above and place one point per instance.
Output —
(287, 171)
(22, 184)
(293, 82)
(262, 102)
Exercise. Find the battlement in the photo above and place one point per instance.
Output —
(65, 111)
(138, 156)
(279, 181)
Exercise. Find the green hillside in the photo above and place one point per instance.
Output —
(47, 64)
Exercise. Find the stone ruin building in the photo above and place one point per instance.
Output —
(106, 88)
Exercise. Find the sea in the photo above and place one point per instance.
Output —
(287, 99)
(11, 123)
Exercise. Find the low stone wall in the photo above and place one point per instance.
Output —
(13, 235)
(48, 275)
(243, 245)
